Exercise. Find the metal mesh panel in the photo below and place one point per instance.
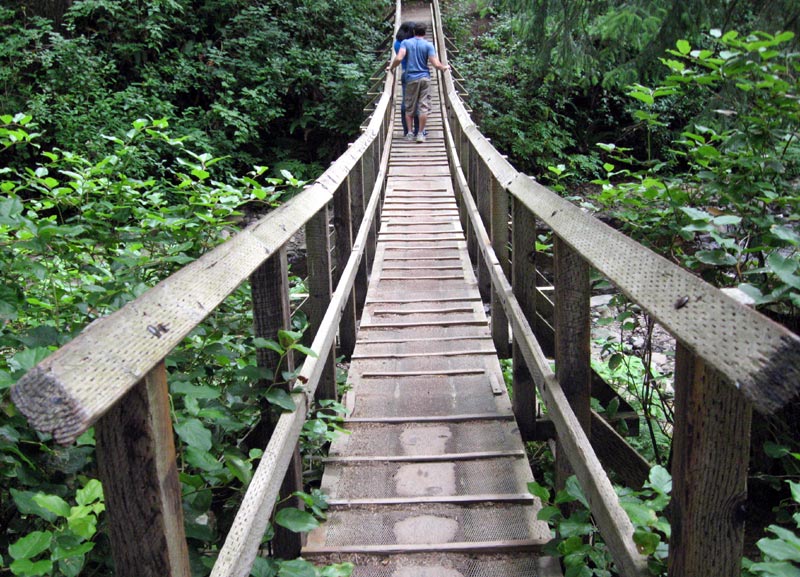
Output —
(381, 480)
(427, 438)
(424, 396)
(450, 566)
(433, 524)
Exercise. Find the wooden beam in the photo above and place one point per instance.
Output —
(500, 211)
(710, 456)
(145, 518)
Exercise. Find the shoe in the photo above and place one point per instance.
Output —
(424, 133)
(409, 137)
(421, 137)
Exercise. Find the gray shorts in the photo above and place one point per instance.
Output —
(418, 96)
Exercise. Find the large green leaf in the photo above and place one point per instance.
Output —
(193, 433)
(281, 398)
(30, 545)
(297, 568)
(296, 520)
(53, 503)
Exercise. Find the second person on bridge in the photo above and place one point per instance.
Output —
(417, 97)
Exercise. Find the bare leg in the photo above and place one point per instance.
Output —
(423, 119)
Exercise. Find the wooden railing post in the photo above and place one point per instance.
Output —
(269, 285)
(368, 182)
(318, 256)
(356, 184)
(138, 469)
(471, 174)
(483, 198)
(710, 456)
(499, 234)
(523, 275)
(342, 224)
(573, 340)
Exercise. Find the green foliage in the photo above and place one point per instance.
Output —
(577, 540)
(79, 239)
(732, 213)
(253, 84)
(66, 534)
(780, 552)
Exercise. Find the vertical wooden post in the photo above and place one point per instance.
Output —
(573, 341)
(342, 223)
(369, 172)
(483, 199)
(499, 232)
(318, 256)
(523, 274)
(472, 178)
(710, 455)
(355, 184)
(135, 442)
(269, 285)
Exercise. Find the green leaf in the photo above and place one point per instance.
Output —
(779, 549)
(786, 234)
(198, 392)
(547, 513)
(268, 344)
(639, 513)
(778, 569)
(82, 524)
(784, 268)
(30, 569)
(683, 47)
(53, 503)
(573, 487)
(646, 542)
(264, 567)
(288, 338)
(716, 257)
(240, 468)
(696, 214)
(540, 491)
(281, 398)
(30, 545)
(337, 570)
(305, 350)
(91, 492)
(193, 433)
(296, 520)
(202, 459)
(26, 504)
(660, 479)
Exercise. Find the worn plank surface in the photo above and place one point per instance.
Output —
(432, 479)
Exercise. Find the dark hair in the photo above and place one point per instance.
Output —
(405, 31)
(419, 29)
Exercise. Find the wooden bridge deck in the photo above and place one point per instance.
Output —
(432, 479)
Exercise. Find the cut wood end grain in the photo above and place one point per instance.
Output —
(49, 406)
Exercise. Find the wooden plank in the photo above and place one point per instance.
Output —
(440, 323)
(710, 457)
(145, 518)
(436, 373)
(483, 199)
(573, 342)
(468, 352)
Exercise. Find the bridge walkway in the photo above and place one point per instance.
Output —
(432, 479)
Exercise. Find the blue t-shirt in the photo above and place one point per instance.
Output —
(418, 50)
